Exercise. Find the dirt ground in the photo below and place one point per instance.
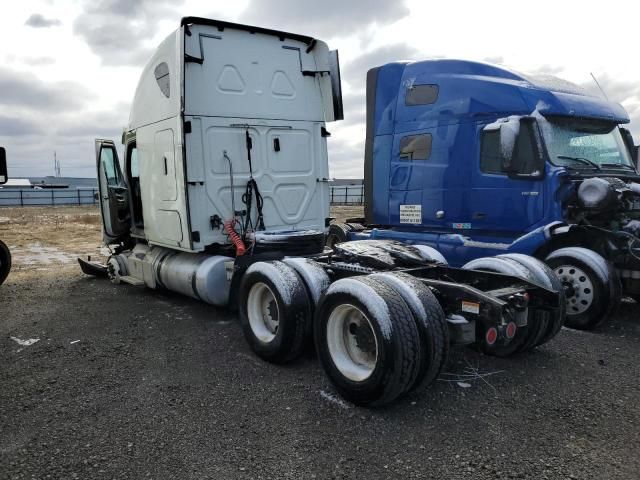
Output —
(44, 237)
(110, 381)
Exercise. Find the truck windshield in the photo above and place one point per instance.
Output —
(585, 144)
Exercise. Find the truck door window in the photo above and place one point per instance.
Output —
(133, 173)
(421, 95)
(133, 162)
(109, 164)
(490, 155)
(525, 153)
(415, 147)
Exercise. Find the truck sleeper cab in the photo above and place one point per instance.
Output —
(477, 160)
(223, 197)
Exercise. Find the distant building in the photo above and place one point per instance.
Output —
(64, 182)
(17, 183)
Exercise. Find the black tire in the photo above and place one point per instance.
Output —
(316, 282)
(431, 324)
(536, 331)
(338, 233)
(525, 337)
(355, 227)
(315, 278)
(594, 296)
(5, 262)
(276, 287)
(389, 322)
(545, 277)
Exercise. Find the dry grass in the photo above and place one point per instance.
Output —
(341, 213)
(50, 238)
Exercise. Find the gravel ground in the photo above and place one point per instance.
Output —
(125, 382)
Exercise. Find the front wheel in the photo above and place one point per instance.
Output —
(592, 289)
(5, 262)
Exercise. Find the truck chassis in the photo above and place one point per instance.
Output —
(380, 314)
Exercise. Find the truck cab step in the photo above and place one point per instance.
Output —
(132, 280)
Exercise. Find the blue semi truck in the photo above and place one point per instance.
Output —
(476, 160)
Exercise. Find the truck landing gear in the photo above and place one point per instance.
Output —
(592, 289)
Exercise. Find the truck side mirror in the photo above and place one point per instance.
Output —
(508, 136)
(519, 153)
(4, 176)
(336, 85)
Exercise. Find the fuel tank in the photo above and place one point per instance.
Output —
(199, 276)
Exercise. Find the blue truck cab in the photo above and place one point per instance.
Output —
(477, 160)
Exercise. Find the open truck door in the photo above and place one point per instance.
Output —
(114, 195)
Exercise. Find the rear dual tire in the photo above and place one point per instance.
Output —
(380, 336)
(367, 341)
(275, 311)
(377, 337)
(533, 334)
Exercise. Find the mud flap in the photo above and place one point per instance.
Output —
(93, 268)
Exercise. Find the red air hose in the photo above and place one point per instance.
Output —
(235, 238)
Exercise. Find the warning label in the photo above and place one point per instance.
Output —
(411, 214)
(470, 307)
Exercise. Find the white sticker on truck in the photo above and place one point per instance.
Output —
(411, 214)
(470, 307)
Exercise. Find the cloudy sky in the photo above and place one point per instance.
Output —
(68, 68)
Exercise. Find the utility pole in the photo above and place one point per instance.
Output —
(56, 165)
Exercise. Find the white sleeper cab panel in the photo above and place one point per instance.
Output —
(254, 83)
(251, 76)
(164, 157)
(286, 160)
(162, 184)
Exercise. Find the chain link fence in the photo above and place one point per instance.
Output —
(12, 197)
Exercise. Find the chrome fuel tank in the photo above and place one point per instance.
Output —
(197, 275)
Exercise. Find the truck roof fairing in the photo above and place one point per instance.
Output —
(477, 88)
(221, 25)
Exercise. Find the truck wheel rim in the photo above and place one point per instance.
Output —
(581, 286)
(352, 342)
(263, 312)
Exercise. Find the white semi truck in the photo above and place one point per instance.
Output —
(223, 196)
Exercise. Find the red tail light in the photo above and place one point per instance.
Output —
(491, 336)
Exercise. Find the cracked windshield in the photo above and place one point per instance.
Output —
(582, 144)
